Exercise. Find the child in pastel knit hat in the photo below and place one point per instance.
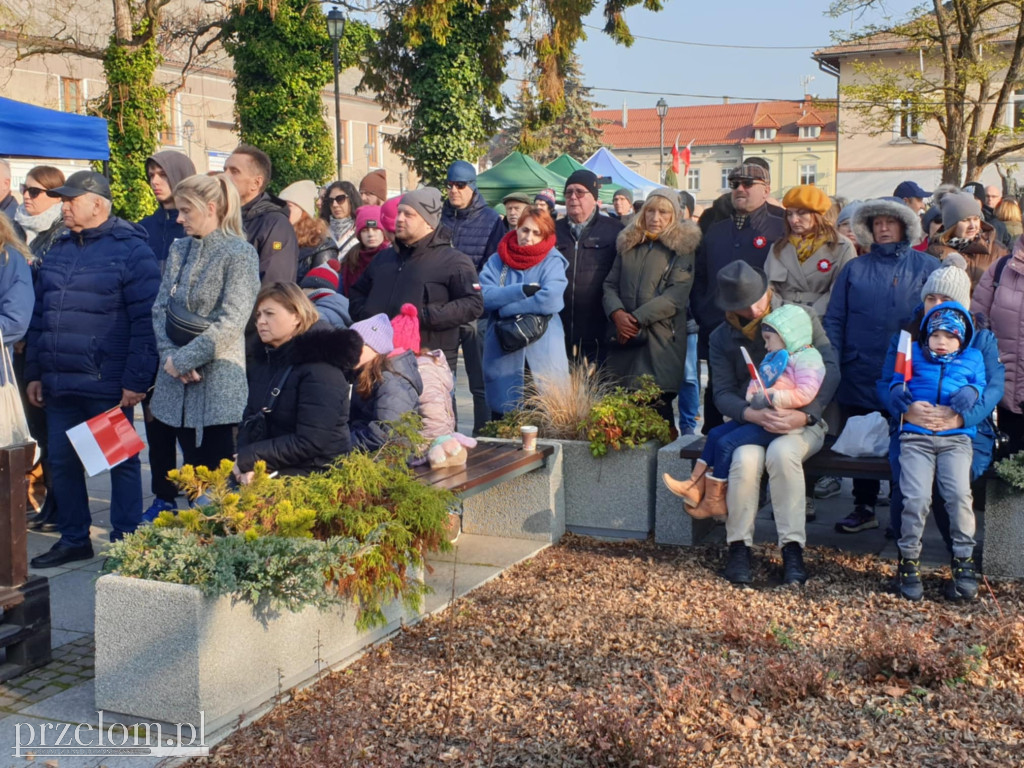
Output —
(944, 370)
(792, 372)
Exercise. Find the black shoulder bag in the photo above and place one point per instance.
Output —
(519, 331)
(182, 324)
(254, 426)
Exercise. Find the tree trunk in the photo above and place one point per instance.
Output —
(122, 22)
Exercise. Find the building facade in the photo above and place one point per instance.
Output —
(796, 138)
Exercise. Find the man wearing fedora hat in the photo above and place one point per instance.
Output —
(747, 235)
(742, 295)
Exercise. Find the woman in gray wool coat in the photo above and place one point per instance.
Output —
(201, 387)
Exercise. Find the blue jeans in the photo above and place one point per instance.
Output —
(73, 515)
(689, 390)
(724, 439)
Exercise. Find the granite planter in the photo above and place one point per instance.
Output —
(165, 652)
(1004, 530)
(612, 496)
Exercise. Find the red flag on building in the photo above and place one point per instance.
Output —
(676, 156)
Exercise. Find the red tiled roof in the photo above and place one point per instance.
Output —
(713, 123)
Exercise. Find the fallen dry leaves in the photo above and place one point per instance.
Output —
(627, 654)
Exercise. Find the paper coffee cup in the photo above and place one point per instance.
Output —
(529, 435)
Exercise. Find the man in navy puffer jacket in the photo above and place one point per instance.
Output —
(91, 348)
(476, 230)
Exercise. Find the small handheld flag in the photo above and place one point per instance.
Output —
(105, 441)
(905, 357)
(754, 375)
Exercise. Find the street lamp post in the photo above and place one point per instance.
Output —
(662, 109)
(336, 30)
(188, 130)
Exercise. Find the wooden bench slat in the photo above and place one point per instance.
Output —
(480, 453)
(824, 462)
(484, 468)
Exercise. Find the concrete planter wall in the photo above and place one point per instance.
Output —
(612, 496)
(165, 652)
(1004, 531)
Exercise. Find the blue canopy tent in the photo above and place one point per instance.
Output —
(604, 163)
(30, 131)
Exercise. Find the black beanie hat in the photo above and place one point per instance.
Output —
(584, 178)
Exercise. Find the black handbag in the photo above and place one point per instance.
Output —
(254, 426)
(519, 331)
(182, 324)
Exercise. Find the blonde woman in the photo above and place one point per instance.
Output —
(210, 283)
(805, 262)
(646, 293)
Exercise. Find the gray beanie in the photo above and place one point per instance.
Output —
(626, 193)
(847, 213)
(426, 201)
(957, 206)
(951, 279)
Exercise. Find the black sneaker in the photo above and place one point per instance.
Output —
(737, 570)
(793, 571)
(827, 487)
(861, 519)
(964, 584)
(909, 579)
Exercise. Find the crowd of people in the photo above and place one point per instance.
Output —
(292, 329)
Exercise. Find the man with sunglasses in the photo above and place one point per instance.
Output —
(746, 236)
(475, 229)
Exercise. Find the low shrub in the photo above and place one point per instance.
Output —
(898, 650)
(1011, 470)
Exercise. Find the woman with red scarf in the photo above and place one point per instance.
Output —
(645, 297)
(525, 277)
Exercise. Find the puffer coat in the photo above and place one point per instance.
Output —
(92, 331)
(1003, 305)
(398, 393)
(652, 282)
(217, 277)
(980, 254)
(308, 426)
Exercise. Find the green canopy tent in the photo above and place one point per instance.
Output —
(565, 164)
(517, 173)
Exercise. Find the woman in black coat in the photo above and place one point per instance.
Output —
(307, 427)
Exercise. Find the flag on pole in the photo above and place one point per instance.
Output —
(676, 156)
(684, 154)
(754, 375)
(105, 441)
(905, 357)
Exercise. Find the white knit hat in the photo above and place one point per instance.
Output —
(951, 279)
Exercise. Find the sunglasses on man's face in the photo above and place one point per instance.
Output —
(456, 184)
(339, 199)
(32, 192)
(745, 183)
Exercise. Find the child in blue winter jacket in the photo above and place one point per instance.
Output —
(945, 370)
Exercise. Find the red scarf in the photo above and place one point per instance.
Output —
(523, 256)
(350, 275)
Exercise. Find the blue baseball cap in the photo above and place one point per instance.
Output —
(910, 189)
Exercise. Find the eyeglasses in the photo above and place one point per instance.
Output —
(338, 199)
(32, 192)
(576, 192)
(456, 184)
(745, 183)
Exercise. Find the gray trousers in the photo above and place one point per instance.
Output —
(946, 461)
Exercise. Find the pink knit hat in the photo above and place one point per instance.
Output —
(388, 214)
(367, 216)
(406, 328)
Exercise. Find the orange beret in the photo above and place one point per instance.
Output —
(808, 197)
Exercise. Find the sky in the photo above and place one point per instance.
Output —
(663, 69)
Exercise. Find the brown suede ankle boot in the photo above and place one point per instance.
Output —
(713, 503)
(691, 491)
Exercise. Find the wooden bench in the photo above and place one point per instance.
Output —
(506, 491)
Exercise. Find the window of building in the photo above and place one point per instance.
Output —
(810, 131)
(725, 177)
(764, 134)
(373, 139)
(71, 95)
(808, 173)
(1017, 110)
(693, 180)
(907, 123)
(170, 135)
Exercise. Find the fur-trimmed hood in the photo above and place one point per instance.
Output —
(320, 344)
(885, 207)
(682, 238)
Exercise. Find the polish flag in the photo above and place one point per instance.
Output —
(905, 356)
(681, 155)
(105, 441)
(754, 375)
